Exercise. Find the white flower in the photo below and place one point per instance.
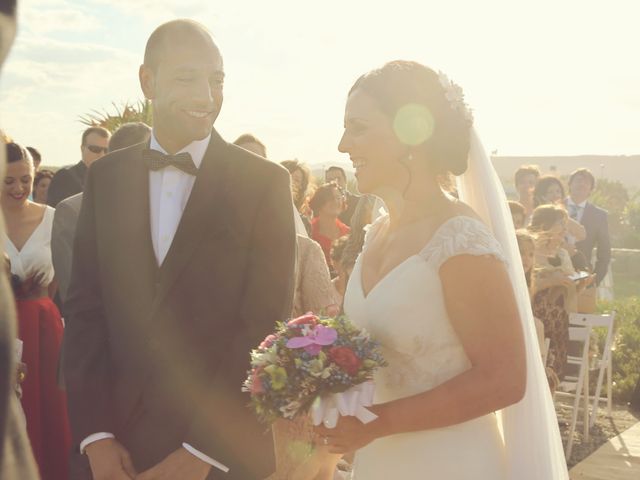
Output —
(455, 96)
(290, 409)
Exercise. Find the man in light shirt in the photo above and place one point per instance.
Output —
(183, 261)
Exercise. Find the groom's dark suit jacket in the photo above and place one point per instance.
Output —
(157, 356)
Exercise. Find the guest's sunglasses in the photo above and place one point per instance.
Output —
(97, 149)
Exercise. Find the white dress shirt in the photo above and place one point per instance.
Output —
(169, 191)
(579, 208)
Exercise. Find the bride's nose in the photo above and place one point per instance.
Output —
(343, 145)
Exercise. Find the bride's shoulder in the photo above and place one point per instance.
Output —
(462, 233)
(461, 209)
(460, 216)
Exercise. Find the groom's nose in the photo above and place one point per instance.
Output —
(202, 91)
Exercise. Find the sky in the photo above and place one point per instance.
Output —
(557, 77)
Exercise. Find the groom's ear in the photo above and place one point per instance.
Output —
(147, 81)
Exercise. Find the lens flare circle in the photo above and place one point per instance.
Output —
(413, 124)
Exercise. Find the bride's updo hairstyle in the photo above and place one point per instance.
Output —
(17, 153)
(426, 115)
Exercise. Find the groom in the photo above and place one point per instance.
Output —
(183, 261)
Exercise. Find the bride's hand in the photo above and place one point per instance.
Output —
(349, 435)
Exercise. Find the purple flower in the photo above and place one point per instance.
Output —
(313, 342)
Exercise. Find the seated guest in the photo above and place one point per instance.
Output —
(327, 204)
(28, 244)
(342, 268)
(36, 156)
(251, 143)
(339, 176)
(300, 183)
(70, 180)
(518, 214)
(41, 186)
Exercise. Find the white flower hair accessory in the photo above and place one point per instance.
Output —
(455, 96)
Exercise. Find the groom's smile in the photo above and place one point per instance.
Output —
(183, 76)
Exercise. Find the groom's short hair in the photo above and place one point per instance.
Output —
(181, 28)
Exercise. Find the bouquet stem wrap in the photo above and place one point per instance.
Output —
(352, 402)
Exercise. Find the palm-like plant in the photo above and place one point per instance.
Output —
(128, 112)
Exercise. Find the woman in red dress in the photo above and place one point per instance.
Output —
(28, 244)
(327, 203)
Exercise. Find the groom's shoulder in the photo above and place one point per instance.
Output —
(117, 160)
(252, 167)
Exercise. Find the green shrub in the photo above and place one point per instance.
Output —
(626, 353)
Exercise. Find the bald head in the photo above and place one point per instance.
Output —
(175, 32)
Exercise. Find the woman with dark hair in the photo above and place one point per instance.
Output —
(300, 183)
(555, 294)
(327, 204)
(437, 286)
(550, 191)
(28, 244)
(41, 186)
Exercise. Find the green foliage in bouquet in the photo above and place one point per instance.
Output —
(307, 358)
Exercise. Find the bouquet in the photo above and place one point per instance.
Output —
(320, 364)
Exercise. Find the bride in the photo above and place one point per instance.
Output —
(440, 286)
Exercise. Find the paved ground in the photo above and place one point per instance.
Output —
(618, 459)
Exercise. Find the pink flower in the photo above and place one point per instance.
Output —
(306, 319)
(256, 384)
(268, 341)
(314, 340)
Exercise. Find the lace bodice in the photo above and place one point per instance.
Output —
(406, 312)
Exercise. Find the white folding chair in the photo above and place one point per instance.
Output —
(604, 362)
(579, 384)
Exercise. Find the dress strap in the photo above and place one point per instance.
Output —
(372, 229)
(461, 235)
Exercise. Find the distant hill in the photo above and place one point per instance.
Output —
(625, 169)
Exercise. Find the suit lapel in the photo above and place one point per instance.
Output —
(135, 225)
(202, 210)
(587, 215)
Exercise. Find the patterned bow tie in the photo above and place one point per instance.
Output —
(156, 160)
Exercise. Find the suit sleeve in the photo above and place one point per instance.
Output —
(58, 187)
(85, 359)
(267, 298)
(603, 249)
(62, 235)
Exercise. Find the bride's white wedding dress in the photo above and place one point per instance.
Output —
(406, 313)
